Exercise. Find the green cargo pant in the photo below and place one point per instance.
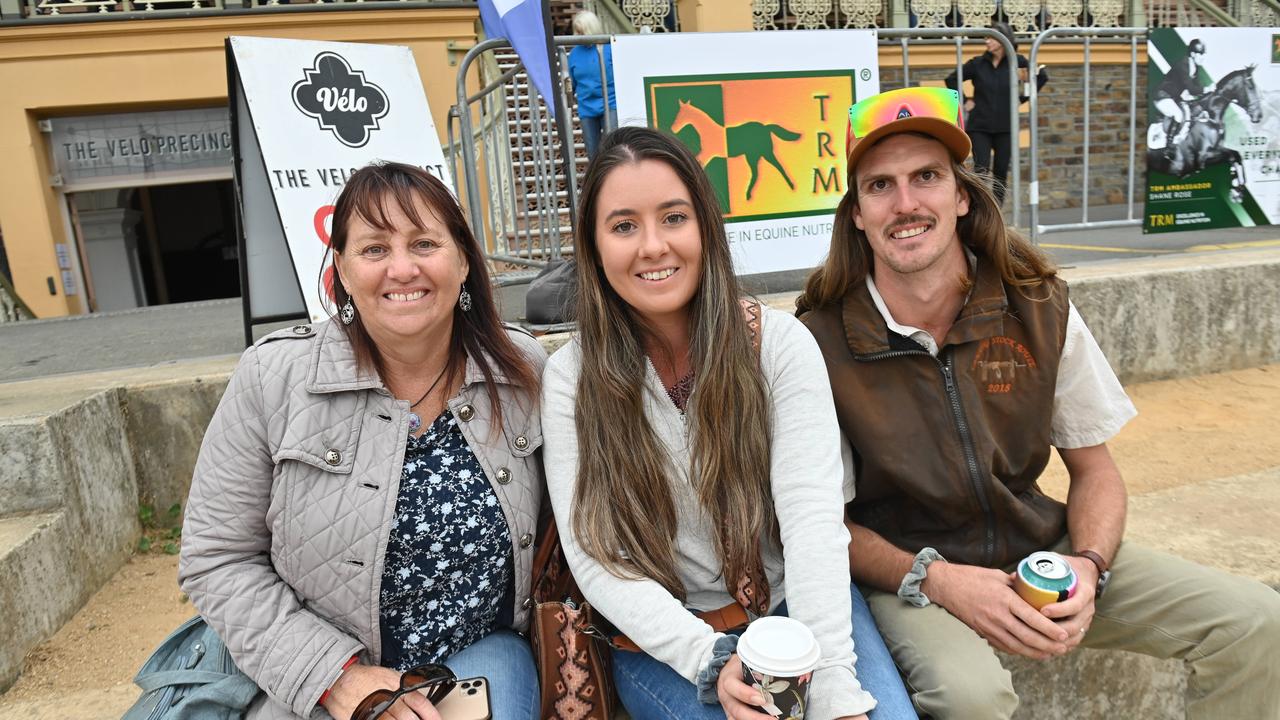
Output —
(1227, 629)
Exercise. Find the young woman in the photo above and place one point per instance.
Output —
(686, 468)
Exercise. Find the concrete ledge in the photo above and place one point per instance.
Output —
(165, 426)
(1173, 316)
(1183, 315)
(51, 563)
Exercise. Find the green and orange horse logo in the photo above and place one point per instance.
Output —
(752, 141)
(771, 143)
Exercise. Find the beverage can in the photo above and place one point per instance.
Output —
(1043, 578)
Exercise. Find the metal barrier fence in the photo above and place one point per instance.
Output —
(514, 183)
(1088, 35)
(526, 193)
(958, 36)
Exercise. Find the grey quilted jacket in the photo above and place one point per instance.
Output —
(293, 499)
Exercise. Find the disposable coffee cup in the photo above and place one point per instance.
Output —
(778, 657)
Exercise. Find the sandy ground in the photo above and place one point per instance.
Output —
(1187, 431)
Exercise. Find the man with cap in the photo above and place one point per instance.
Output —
(956, 361)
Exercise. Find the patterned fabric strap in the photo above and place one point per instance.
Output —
(752, 591)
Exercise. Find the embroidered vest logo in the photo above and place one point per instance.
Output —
(999, 362)
(340, 99)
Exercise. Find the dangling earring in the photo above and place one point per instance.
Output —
(348, 313)
(464, 300)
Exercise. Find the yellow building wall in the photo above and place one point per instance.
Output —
(155, 63)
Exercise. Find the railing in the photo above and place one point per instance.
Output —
(1256, 13)
(511, 181)
(641, 15)
(524, 196)
(1087, 35)
(614, 19)
(1025, 16)
(59, 7)
(12, 308)
(817, 14)
(72, 10)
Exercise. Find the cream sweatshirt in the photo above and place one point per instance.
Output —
(810, 487)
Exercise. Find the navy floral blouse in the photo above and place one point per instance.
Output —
(448, 561)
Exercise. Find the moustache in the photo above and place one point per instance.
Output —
(909, 220)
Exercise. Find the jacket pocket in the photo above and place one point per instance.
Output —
(326, 437)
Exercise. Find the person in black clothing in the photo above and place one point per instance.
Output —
(987, 122)
(1179, 86)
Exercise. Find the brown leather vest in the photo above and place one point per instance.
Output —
(948, 450)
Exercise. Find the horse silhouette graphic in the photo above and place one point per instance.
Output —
(753, 141)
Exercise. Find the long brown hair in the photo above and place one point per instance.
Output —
(478, 332)
(624, 513)
(982, 230)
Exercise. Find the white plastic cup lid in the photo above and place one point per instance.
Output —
(779, 647)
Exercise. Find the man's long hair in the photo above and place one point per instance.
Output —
(982, 230)
(624, 513)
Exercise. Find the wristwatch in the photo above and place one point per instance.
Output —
(1104, 574)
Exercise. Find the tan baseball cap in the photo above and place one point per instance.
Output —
(932, 111)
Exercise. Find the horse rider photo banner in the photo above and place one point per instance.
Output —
(766, 115)
(1213, 143)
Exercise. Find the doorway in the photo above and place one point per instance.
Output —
(159, 244)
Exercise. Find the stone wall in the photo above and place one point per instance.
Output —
(1062, 132)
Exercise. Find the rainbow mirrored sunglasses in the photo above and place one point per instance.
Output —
(865, 116)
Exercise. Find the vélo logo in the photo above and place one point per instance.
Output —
(340, 99)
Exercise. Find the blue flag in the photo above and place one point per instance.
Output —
(520, 22)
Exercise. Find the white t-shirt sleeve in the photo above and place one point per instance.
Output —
(1089, 405)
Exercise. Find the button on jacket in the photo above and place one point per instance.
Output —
(294, 497)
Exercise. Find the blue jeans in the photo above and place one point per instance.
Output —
(651, 690)
(504, 658)
(593, 128)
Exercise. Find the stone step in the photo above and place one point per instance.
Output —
(74, 466)
(37, 577)
(28, 474)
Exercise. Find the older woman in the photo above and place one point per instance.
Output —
(365, 499)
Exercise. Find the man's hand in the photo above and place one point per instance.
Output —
(969, 105)
(739, 700)
(984, 600)
(1075, 614)
(357, 681)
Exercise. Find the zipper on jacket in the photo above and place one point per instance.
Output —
(971, 458)
(966, 438)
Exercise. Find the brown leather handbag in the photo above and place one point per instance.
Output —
(574, 668)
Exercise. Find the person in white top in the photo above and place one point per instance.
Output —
(688, 470)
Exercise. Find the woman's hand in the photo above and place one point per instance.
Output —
(968, 105)
(356, 682)
(738, 699)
